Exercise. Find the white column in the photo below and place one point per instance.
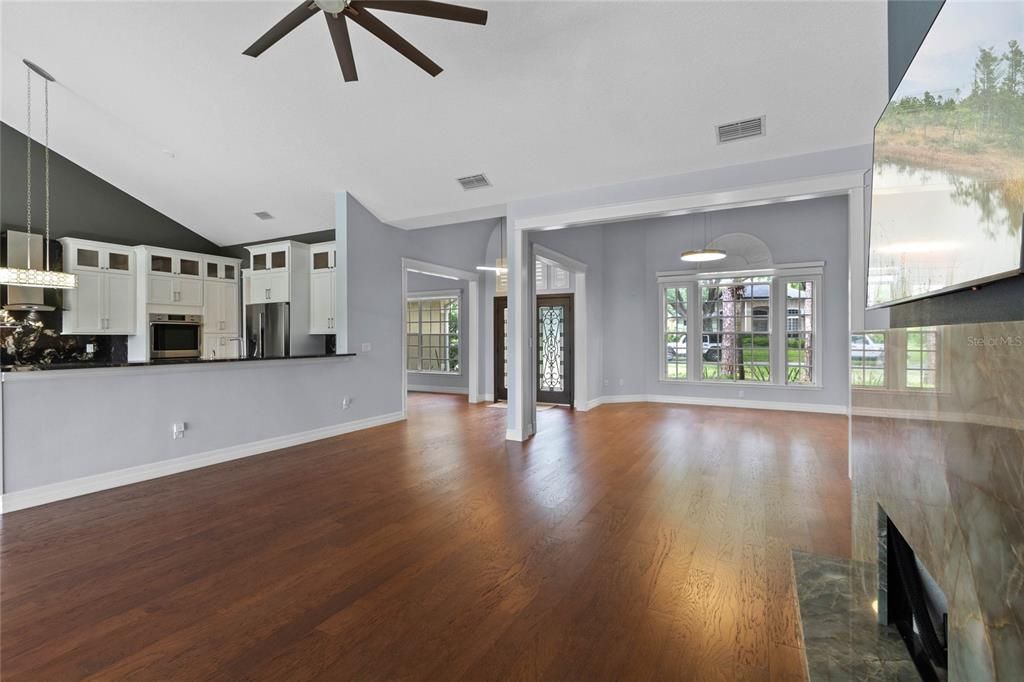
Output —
(341, 272)
(472, 327)
(522, 393)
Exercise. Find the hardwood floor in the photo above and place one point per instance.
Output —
(634, 541)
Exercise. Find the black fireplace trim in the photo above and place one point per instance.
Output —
(907, 603)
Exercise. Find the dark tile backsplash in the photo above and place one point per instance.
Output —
(34, 338)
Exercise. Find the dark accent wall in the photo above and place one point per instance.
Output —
(1000, 301)
(82, 204)
(909, 21)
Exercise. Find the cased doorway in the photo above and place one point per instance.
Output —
(554, 343)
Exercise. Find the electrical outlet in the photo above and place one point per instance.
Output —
(741, 392)
(178, 431)
(346, 403)
(622, 382)
(90, 348)
(366, 347)
(605, 382)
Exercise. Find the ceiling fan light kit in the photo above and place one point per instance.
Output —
(338, 12)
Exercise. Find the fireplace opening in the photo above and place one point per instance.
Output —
(917, 606)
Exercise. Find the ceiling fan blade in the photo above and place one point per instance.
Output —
(342, 45)
(438, 10)
(282, 28)
(377, 28)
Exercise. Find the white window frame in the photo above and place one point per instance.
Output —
(549, 266)
(781, 355)
(889, 361)
(416, 296)
(692, 290)
(811, 271)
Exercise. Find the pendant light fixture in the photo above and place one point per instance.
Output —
(703, 255)
(29, 276)
(500, 264)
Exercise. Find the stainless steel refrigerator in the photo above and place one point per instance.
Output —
(268, 330)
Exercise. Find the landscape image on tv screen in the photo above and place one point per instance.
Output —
(947, 198)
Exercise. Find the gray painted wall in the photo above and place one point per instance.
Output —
(624, 258)
(66, 424)
(417, 282)
(375, 252)
(82, 204)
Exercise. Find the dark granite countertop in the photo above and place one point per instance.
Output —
(157, 363)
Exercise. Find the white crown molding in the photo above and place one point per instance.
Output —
(755, 195)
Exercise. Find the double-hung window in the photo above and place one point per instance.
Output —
(736, 331)
(756, 326)
(432, 333)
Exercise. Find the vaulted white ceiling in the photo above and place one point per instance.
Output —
(157, 98)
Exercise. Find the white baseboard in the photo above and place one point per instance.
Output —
(22, 499)
(487, 397)
(739, 403)
(438, 389)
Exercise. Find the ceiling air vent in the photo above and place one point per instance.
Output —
(474, 181)
(263, 215)
(752, 127)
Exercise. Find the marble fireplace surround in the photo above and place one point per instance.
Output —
(947, 467)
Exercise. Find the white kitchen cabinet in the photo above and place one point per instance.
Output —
(174, 290)
(322, 288)
(176, 263)
(87, 256)
(104, 301)
(270, 287)
(120, 300)
(220, 314)
(220, 347)
(270, 257)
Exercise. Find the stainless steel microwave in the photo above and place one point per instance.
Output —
(174, 336)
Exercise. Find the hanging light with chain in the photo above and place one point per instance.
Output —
(30, 276)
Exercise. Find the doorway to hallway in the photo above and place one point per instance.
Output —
(554, 344)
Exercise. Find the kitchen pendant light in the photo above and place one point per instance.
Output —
(703, 255)
(500, 263)
(29, 276)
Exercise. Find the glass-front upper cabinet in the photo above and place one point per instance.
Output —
(322, 256)
(221, 269)
(86, 255)
(270, 257)
(188, 266)
(170, 263)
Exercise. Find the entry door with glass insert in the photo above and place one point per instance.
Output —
(554, 349)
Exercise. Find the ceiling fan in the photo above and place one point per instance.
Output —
(338, 11)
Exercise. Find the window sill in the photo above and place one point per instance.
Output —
(745, 384)
(428, 372)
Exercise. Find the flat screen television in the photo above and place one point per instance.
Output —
(947, 194)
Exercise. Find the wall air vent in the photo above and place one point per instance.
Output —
(263, 215)
(474, 181)
(751, 127)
